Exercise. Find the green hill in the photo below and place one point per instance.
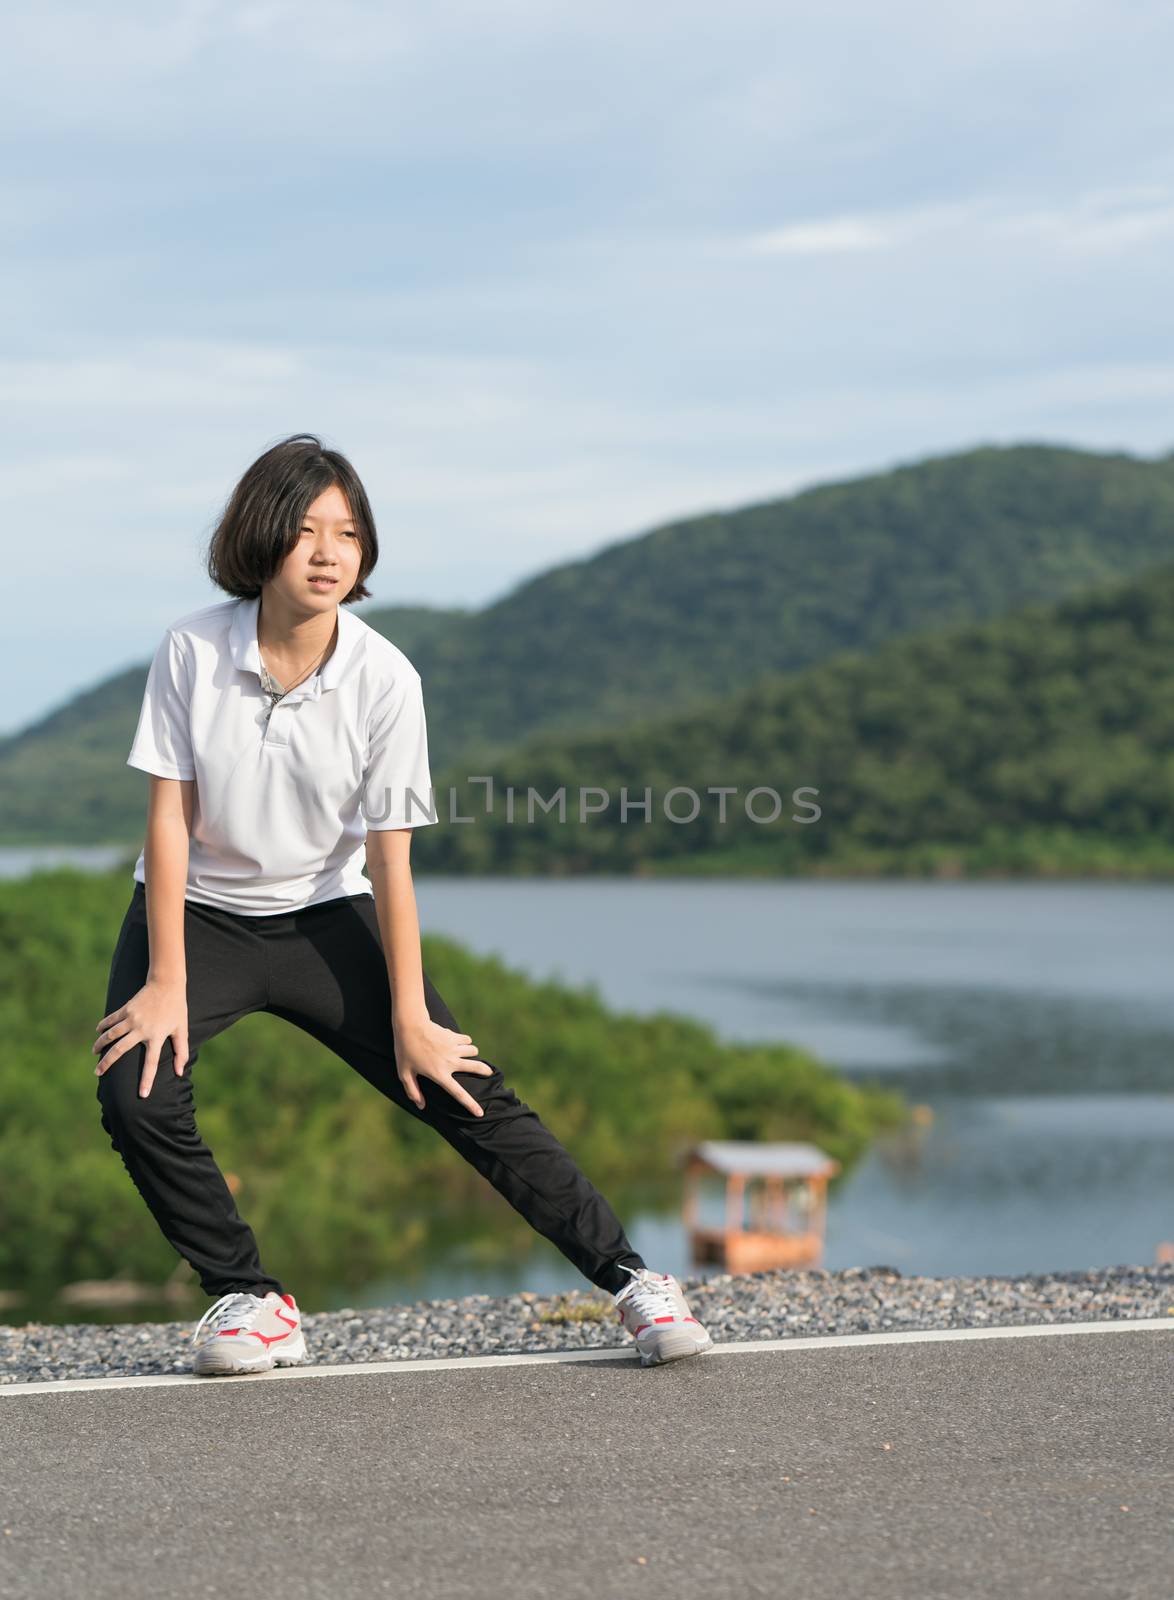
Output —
(704, 607)
(686, 615)
(1041, 742)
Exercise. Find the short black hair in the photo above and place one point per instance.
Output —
(262, 520)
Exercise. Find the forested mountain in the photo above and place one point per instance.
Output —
(1041, 742)
(704, 607)
(686, 616)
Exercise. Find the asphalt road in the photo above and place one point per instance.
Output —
(1018, 1467)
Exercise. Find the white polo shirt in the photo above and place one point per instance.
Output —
(283, 800)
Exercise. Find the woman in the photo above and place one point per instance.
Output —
(286, 741)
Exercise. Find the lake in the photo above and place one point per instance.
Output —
(1035, 1019)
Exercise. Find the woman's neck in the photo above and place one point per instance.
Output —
(285, 635)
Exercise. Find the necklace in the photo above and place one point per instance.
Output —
(270, 684)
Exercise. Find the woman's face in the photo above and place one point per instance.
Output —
(322, 568)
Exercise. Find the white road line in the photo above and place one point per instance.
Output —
(834, 1341)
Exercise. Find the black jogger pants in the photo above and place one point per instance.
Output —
(323, 969)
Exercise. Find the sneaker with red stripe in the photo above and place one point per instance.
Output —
(243, 1332)
(653, 1308)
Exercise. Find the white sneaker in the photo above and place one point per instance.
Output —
(653, 1308)
(243, 1332)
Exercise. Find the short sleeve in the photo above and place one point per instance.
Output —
(163, 741)
(397, 785)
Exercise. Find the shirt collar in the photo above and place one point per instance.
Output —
(246, 654)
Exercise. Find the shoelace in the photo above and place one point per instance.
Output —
(235, 1309)
(651, 1296)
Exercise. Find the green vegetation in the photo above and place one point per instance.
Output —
(684, 619)
(702, 608)
(339, 1185)
(1041, 742)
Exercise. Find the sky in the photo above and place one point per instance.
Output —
(551, 275)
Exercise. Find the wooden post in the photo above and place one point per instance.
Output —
(819, 1209)
(691, 1197)
(735, 1191)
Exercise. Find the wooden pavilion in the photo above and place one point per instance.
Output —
(775, 1203)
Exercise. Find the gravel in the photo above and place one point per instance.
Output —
(734, 1307)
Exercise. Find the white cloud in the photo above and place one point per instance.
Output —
(834, 236)
(552, 274)
(1098, 223)
(1101, 221)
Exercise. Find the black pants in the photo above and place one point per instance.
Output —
(323, 969)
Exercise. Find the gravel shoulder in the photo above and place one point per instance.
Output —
(758, 1305)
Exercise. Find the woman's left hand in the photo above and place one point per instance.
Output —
(427, 1049)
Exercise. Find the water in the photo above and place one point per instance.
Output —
(17, 861)
(1036, 1020)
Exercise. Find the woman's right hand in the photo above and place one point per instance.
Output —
(159, 1011)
